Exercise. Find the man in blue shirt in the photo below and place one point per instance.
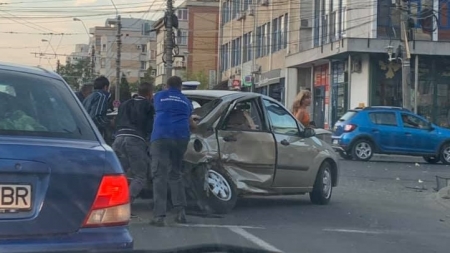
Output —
(170, 137)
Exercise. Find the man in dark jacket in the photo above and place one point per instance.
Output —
(84, 92)
(134, 122)
(96, 104)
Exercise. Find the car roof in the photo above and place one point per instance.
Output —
(381, 108)
(28, 69)
(225, 95)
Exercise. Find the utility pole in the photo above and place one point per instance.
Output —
(93, 60)
(58, 66)
(254, 46)
(118, 70)
(169, 39)
(406, 57)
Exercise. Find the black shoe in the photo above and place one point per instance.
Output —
(158, 222)
(132, 215)
(181, 217)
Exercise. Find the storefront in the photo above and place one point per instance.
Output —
(271, 84)
(339, 94)
(321, 97)
(386, 81)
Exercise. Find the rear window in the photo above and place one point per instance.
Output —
(33, 105)
(348, 115)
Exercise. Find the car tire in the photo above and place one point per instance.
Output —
(431, 159)
(215, 190)
(444, 155)
(323, 185)
(345, 155)
(362, 150)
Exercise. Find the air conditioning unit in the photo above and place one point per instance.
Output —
(237, 71)
(264, 2)
(241, 16)
(305, 23)
(138, 47)
(251, 11)
(256, 69)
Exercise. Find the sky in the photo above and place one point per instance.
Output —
(25, 25)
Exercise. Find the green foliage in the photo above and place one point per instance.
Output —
(200, 77)
(148, 76)
(78, 73)
(125, 92)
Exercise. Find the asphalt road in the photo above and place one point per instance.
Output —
(386, 205)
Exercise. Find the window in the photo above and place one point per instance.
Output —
(247, 4)
(182, 14)
(245, 116)
(32, 105)
(102, 62)
(152, 54)
(382, 118)
(182, 38)
(281, 120)
(143, 65)
(143, 48)
(285, 35)
(412, 121)
(259, 42)
(236, 52)
(275, 34)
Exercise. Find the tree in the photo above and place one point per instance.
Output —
(125, 92)
(200, 77)
(78, 73)
(148, 77)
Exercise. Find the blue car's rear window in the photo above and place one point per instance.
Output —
(348, 115)
(33, 105)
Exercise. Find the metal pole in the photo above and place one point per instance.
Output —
(119, 47)
(169, 40)
(254, 50)
(406, 64)
(416, 81)
(93, 60)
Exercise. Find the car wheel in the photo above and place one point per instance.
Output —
(431, 159)
(362, 150)
(445, 154)
(323, 185)
(345, 155)
(214, 190)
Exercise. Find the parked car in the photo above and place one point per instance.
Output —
(62, 187)
(362, 132)
(249, 144)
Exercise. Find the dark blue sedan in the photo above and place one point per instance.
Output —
(61, 186)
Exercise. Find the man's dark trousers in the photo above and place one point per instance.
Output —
(133, 155)
(167, 162)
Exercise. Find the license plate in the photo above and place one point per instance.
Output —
(335, 141)
(13, 196)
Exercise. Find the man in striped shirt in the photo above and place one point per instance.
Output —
(96, 104)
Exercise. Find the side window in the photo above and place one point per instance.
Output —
(383, 118)
(281, 120)
(412, 121)
(245, 116)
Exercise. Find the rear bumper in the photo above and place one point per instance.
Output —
(97, 239)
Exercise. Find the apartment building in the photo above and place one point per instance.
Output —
(254, 39)
(81, 52)
(197, 42)
(138, 50)
(339, 49)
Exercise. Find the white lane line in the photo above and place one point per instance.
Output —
(240, 231)
(354, 231)
(216, 226)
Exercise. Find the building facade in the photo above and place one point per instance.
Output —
(138, 50)
(253, 45)
(82, 51)
(195, 56)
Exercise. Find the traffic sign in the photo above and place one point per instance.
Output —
(116, 103)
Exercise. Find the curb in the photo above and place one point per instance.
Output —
(443, 197)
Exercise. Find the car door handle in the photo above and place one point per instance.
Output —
(229, 138)
(284, 142)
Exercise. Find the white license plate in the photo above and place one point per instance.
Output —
(335, 141)
(15, 196)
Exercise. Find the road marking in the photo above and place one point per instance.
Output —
(216, 226)
(355, 231)
(240, 231)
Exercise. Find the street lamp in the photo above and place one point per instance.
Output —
(89, 42)
(54, 51)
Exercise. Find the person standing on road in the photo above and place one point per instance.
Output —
(84, 92)
(134, 122)
(96, 104)
(169, 140)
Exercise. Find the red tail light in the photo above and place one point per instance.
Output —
(349, 128)
(111, 206)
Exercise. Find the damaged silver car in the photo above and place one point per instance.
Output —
(250, 144)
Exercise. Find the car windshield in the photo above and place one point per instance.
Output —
(40, 106)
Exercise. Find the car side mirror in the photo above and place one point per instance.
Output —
(308, 132)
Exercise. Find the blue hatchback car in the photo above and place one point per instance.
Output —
(61, 186)
(389, 130)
